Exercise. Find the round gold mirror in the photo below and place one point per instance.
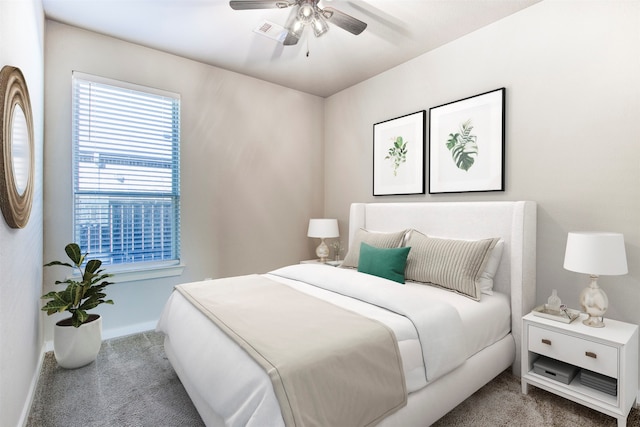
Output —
(17, 154)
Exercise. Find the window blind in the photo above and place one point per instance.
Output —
(126, 171)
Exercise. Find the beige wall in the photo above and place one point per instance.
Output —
(572, 104)
(21, 45)
(259, 160)
(251, 158)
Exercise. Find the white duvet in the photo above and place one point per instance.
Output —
(229, 383)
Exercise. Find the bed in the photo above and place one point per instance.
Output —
(230, 387)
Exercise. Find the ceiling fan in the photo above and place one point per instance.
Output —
(307, 13)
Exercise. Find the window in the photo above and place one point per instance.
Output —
(126, 172)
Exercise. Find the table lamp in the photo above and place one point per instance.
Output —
(595, 254)
(323, 229)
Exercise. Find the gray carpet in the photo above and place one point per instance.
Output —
(132, 384)
(501, 403)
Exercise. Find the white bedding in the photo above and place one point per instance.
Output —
(194, 346)
(240, 391)
(482, 323)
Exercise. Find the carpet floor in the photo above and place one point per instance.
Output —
(132, 384)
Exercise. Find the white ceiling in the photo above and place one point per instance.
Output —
(211, 32)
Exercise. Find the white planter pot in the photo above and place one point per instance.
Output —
(77, 347)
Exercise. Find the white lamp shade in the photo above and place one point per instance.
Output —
(596, 253)
(323, 228)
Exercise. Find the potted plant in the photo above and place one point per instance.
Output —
(77, 339)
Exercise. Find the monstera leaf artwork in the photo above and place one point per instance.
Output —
(397, 153)
(466, 144)
(463, 146)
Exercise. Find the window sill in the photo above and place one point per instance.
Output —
(144, 272)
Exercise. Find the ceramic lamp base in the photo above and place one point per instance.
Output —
(594, 322)
(322, 251)
(594, 302)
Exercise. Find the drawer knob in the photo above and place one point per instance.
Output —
(591, 354)
(546, 341)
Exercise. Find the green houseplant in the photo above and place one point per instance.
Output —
(77, 339)
(79, 296)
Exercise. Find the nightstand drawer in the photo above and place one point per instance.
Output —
(576, 351)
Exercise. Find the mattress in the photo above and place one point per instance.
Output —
(198, 343)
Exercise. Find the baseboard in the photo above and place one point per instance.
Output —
(24, 416)
(116, 332)
(128, 330)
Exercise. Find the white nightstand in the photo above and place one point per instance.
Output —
(317, 261)
(610, 351)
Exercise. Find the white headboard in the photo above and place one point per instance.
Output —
(515, 222)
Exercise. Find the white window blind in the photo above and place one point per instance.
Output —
(126, 171)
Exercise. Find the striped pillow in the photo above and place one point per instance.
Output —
(453, 264)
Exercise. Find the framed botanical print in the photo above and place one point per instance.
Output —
(398, 155)
(466, 144)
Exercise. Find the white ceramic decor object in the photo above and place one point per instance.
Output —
(77, 347)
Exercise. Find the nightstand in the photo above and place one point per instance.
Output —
(611, 351)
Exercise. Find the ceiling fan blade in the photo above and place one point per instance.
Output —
(259, 4)
(291, 39)
(344, 21)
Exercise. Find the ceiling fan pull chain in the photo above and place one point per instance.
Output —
(307, 47)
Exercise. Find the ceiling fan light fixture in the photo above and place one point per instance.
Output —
(306, 12)
(296, 28)
(319, 25)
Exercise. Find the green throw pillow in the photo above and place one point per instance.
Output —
(388, 263)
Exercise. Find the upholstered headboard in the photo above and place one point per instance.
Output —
(515, 222)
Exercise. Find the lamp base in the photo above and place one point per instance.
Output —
(594, 302)
(322, 251)
(594, 322)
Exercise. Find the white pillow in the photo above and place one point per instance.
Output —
(486, 278)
